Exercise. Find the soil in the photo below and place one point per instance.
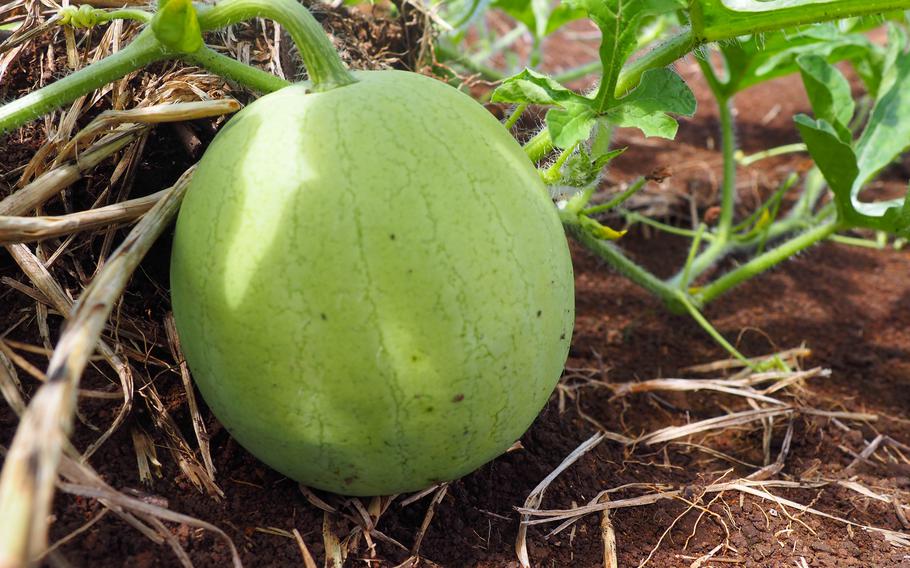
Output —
(850, 306)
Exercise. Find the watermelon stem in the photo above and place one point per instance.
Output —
(324, 66)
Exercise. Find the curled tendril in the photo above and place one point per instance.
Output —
(82, 17)
(85, 16)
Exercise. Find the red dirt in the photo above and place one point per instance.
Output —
(850, 306)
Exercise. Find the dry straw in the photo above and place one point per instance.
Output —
(755, 388)
(30, 469)
(31, 465)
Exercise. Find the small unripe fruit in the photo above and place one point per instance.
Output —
(371, 285)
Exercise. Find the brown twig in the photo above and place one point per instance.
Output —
(28, 229)
(199, 428)
(608, 535)
(431, 510)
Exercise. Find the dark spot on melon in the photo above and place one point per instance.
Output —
(539, 312)
(392, 236)
(563, 336)
(458, 398)
(430, 409)
(323, 316)
(350, 480)
(414, 358)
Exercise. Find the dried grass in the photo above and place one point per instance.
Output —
(787, 386)
(29, 471)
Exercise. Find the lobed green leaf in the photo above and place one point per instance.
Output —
(619, 22)
(833, 156)
(847, 166)
(570, 125)
(887, 134)
(539, 16)
(756, 59)
(535, 88)
(661, 91)
(829, 93)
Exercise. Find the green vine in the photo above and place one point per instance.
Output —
(174, 31)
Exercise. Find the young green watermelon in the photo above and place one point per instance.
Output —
(371, 284)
